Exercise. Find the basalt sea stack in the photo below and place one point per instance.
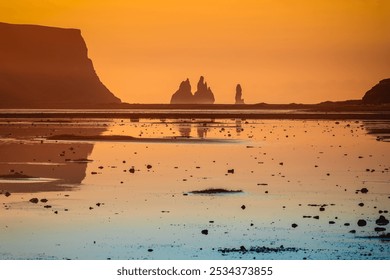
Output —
(48, 67)
(203, 94)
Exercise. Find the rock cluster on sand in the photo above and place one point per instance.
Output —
(380, 93)
(203, 94)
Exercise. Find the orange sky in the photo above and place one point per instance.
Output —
(282, 51)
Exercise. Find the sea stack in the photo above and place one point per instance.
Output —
(239, 99)
(203, 94)
(48, 67)
(183, 95)
(379, 94)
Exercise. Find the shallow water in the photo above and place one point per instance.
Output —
(133, 200)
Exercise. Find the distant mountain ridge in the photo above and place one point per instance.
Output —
(48, 67)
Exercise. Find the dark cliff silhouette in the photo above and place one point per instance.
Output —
(47, 67)
(203, 94)
(238, 97)
(379, 94)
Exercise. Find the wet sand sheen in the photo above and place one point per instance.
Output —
(308, 189)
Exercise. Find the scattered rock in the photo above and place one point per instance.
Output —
(132, 170)
(379, 229)
(205, 232)
(258, 249)
(361, 223)
(243, 207)
(382, 221)
(361, 204)
(294, 225)
(148, 166)
(231, 171)
(243, 249)
(34, 200)
(44, 200)
(150, 250)
(364, 190)
(7, 194)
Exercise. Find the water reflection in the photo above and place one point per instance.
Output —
(379, 129)
(51, 166)
(238, 126)
(185, 130)
(202, 131)
(309, 174)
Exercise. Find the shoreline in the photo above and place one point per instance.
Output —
(304, 115)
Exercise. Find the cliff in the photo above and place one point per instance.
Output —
(183, 95)
(379, 94)
(47, 67)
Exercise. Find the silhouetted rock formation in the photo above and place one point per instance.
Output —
(183, 95)
(380, 93)
(203, 94)
(47, 67)
(239, 99)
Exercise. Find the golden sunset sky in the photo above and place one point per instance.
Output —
(284, 51)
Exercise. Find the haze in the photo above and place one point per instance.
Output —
(279, 51)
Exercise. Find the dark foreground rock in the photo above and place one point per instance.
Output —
(258, 249)
(382, 221)
(215, 191)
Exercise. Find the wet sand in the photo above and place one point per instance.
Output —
(121, 188)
